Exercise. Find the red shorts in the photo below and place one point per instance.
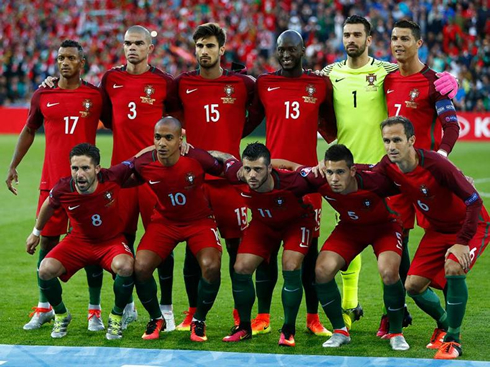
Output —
(407, 211)
(75, 254)
(429, 259)
(161, 236)
(133, 201)
(57, 225)
(315, 200)
(262, 240)
(349, 240)
(229, 208)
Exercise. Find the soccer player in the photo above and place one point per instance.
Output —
(279, 214)
(410, 92)
(214, 103)
(139, 94)
(456, 235)
(70, 113)
(296, 103)
(182, 214)
(360, 104)
(89, 197)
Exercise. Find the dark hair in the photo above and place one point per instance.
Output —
(87, 149)
(209, 30)
(257, 150)
(339, 152)
(75, 44)
(357, 19)
(407, 125)
(414, 27)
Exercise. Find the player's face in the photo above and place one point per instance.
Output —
(339, 175)
(397, 145)
(136, 47)
(208, 52)
(69, 62)
(403, 44)
(167, 141)
(256, 172)
(289, 53)
(355, 39)
(84, 173)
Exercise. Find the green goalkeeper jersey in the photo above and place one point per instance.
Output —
(360, 107)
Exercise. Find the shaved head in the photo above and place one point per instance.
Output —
(140, 30)
(171, 122)
(291, 37)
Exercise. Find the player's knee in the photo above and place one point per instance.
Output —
(290, 265)
(142, 271)
(452, 267)
(323, 273)
(47, 270)
(123, 267)
(242, 267)
(412, 287)
(389, 275)
(210, 268)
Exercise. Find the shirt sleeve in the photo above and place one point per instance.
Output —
(209, 164)
(120, 173)
(256, 112)
(446, 113)
(232, 166)
(54, 196)
(315, 182)
(35, 118)
(327, 123)
(106, 114)
(172, 100)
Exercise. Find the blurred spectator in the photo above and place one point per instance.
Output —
(456, 36)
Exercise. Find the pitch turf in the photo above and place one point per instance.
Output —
(19, 288)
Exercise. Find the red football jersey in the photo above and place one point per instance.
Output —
(138, 102)
(179, 188)
(415, 98)
(441, 193)
(70, 117)
(94, 217)
(215, 110)
(281, 206)
(366, 206)
(295, 110)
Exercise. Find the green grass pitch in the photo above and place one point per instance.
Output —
(19, 288)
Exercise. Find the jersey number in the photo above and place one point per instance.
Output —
(265, 213)
(354, 93)
(177, 199)
(70, 120)
(241, 215)
(292, 110)
(96, 220)
(423, 206)
(132, 110)
(305, 237)
(353, 215)
(212, 113)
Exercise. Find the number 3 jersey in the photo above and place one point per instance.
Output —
(94, 217)
(179, 188)
(70, 117)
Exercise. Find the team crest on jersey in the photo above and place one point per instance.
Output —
(109, 197)
(280, 201)
(424, 190)
(87, 104)
(229, 90)
(149, 90)
(367, 204)
(371, 78)
(414, 93)
(311, 90)
(191, 179)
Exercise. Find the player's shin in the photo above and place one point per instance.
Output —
(350, 281)
(308, 277)
(206, 296)
(244, 295)
(266, 279)
(457, 297)
(53, 291)
(429, 302)
(166, 279)
(147, 293)
(123, 288)
(192, 275)
(394, 300)
(292, 292)
(94, 281)
(329, 297)
(42, 254)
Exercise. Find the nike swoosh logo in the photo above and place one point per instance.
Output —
(188, 91)
(326, 304)
(207, 303)
(390, 91)
(339, 80)
(329, 198)
(98, 274)
(396, 183)
(271, 89)
(153, 182)
(454, 304)
(291, 290)
(52, 104)
(116, 86)
(245, 196)
(395, 309)
(238, 290)
(73, 207)
(128, 285)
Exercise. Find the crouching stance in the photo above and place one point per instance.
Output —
(89, 198)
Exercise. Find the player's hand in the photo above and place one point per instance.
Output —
(117, 67)
(319, 73)
(446, 84)
(11, 177)
(462, 253)
(319, 170)
(48, 82)
(185, 147)
(31, 243)
(240, 175)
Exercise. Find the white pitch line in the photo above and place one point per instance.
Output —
(3, 362)
(485, 194)
(482, 180)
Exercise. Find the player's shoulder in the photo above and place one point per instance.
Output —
(389, 67)
(338, 65)
(90, 87)
(160, 73)
(65, 185)
(430, 159)
(247, 79)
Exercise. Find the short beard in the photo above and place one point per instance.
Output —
(209, 66)
(358, 52)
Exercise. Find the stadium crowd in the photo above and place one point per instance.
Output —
(456, 35)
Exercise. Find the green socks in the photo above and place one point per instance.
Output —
(206, 295)
(147, 293)
(244, 295)
(394, 299)
(166, 278)
(123, 288)
(95, 276)
(292, 292)
(265, 281)
(52, 290)
(329, 297)
(308, 277)
(42, 255)
(429, 302)
(457, 297)
(192, 275)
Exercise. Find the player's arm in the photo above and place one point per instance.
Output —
(256, 113)
(106, 113)
(221, 156)
(173, 104)
(45, 213)
(209, 164)
(327, 122)
(26, 138)
(285, 164)
(446, 113)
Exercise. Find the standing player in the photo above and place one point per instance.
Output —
(360, 105)
(140, 95)
(182, 214)
(279, 214)
(215, 102)
(456, 235)
(70, 113)
(410, 92)
(296, 103)
(89, 197)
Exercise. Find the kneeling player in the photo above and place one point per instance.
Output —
(182, 214)
(89, 197)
